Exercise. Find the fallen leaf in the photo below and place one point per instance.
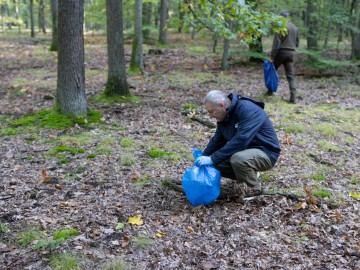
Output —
(301, 205)
(120, 226)
(313, 200)
(354, 195)
(59, 187)
(136, 220)
(307, 190)
(189, 229)
(160, 234)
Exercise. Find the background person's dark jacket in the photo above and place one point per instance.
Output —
(246, 126)
(288, 42)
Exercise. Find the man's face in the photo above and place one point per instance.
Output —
(217, 111)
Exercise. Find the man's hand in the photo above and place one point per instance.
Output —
(203, 160)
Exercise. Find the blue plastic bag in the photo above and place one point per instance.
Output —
(201, 184)
(270, 76)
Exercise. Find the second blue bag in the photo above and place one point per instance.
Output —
(270, 76)
(201, 184)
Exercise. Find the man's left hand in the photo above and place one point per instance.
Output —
(203, 161)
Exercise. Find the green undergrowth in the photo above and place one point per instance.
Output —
(54, 120)
(65, 261)
(104, 99)
(157, 153)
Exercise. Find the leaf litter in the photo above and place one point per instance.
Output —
(98, 197)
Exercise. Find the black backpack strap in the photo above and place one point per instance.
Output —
(257, 102)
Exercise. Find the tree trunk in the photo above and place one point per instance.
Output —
(137, 59)
(42, 16)
(71, 96)
(55, 32)
(16, 12)
(312, 24)
(2, 9)
(181, 17)
(225, 56)
(355, 36)
(116, 83)
(32, 21)
(147, 13)
(163, 19)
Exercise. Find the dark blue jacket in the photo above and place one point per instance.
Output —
(246, 126)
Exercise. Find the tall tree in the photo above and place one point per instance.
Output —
(312, 24)
(163, 20)
(137, 59)
(116, 82)
(71, 96)
(355, 33)
(42, 25)
(32, 21)
(147, 13)
(55, 32)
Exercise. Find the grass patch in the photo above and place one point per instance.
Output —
(65, 234)
(141, 181)
(117, 264)
(321, 193)
(127, 159)
(104, 99)
(295, 128)
(8, 131)
(55, 120)
(66, 261)
(329, 146)
(156, 153)
(189, 106)
(318, 177)
(28, 237)
(127, 142)
(64, 148)
(142, 242)
(325, 129)
(91, 156)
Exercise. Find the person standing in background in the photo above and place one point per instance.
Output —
(283, 53)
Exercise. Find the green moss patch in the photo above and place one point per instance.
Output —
(102, 98)
(55, 120)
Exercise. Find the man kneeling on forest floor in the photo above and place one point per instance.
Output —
(245, 141)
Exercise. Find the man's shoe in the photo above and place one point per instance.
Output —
(258, 187)
(292, 98)
(269, 93)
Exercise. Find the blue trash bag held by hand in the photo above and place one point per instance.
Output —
(201, 184)
(270, 76)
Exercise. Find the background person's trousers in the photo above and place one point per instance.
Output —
(287, 58)
(244, 165)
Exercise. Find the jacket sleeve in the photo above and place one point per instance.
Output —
(215, 143)
(249, 124)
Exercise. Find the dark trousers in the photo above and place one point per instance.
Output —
(287, 58)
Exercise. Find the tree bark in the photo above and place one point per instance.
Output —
(163, 19)
(225, 56)
(42, 16)
(355, 36)
(55, 32)
(312, 24)
(71, 96)
(137, 59)
(147, 13)
(116, 83)
(32, 21)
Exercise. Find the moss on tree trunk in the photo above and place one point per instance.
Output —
(116, 86)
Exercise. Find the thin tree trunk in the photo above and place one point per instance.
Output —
(55, 32)
(42, 16)
(116, 83)
(32, 21)
(355, 36)
(17, 15)
(163, 19)
(312, 25)
(332, 3)
(137, 59)
(225, 56)
(71, 96)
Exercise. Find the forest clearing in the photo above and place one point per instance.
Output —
(104, 187)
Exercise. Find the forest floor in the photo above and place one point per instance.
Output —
(114, 207)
